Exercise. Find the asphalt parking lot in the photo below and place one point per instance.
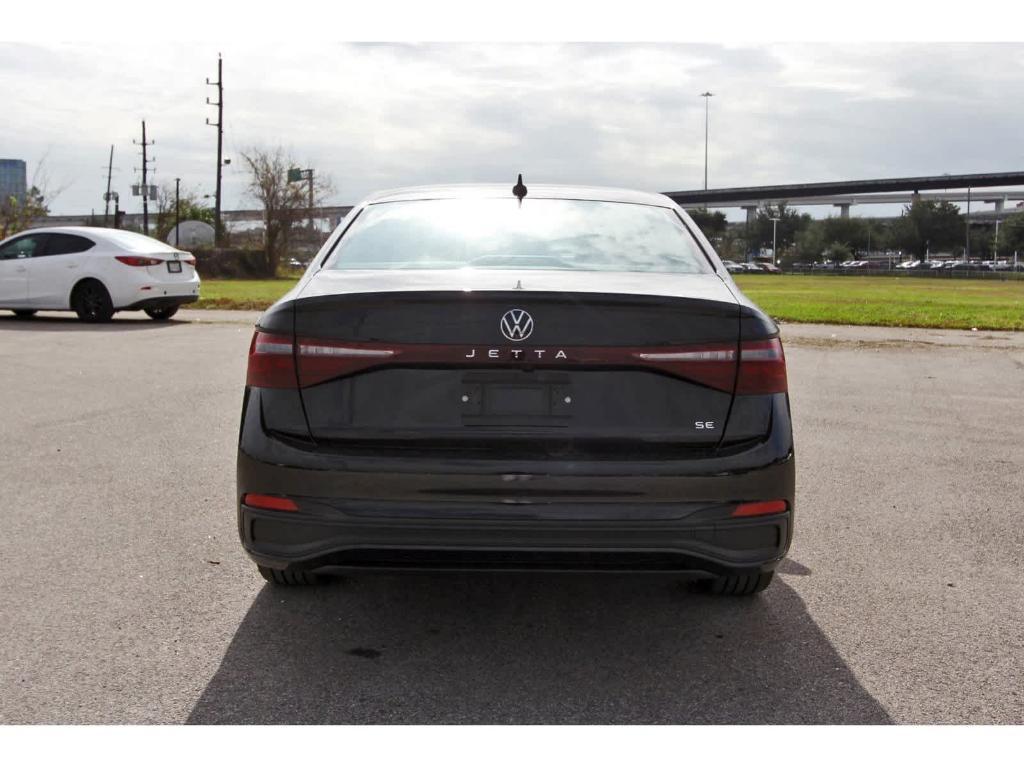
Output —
(126, 597)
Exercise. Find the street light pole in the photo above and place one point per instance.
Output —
(707, 96)
(775, 223)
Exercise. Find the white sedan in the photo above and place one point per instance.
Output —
(94, 272)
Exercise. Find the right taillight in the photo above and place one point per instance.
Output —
(762, 368)
(139, 261)
(760, 508)
(713, 365)
(271, 362)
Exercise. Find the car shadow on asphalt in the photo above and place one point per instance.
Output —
(501, 648)
(66, 322)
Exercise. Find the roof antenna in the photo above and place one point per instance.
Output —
(519, 190)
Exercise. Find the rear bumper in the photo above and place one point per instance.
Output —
(141, 290)
(425, 511)
(325, 537)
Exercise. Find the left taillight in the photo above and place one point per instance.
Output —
(271, 362)
(138, 260)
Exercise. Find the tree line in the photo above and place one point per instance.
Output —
(925, 226)
(285, 205)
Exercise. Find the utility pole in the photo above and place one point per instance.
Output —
(177, 209)
(106, 197)
(707, 98)
(219, 125)
(995, 246)
(145, 184)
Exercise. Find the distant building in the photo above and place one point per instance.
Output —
(12, 179)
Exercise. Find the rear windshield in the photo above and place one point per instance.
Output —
(138, 243)
(576, 235)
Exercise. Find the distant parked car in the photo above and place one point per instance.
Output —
(909, 265)
(771, 268)
(752, 267)
(94, 272)
(733, 268)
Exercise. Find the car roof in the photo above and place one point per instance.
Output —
(65, 230)
(545, 191)
(79, 230)
(120, 238)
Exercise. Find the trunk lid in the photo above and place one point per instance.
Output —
(531, 363)
(174, 267)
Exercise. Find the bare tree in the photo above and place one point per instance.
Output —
(190, 207)
(19, 212)
(284, 203)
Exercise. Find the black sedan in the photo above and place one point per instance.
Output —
(496, 377)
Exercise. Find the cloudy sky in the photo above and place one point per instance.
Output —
(376, 116)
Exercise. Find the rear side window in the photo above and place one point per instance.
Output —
(61, 244)
(539, 233)
(24, 247)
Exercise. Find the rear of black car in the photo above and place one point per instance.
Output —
(517, 418)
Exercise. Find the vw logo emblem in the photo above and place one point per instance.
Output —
(516, 324)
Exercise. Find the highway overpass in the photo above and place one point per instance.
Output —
(980, 188)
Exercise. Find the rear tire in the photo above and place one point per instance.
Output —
(288, 577)
(737, 585)
(162, 315)
(24, 314)
(91, 302)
